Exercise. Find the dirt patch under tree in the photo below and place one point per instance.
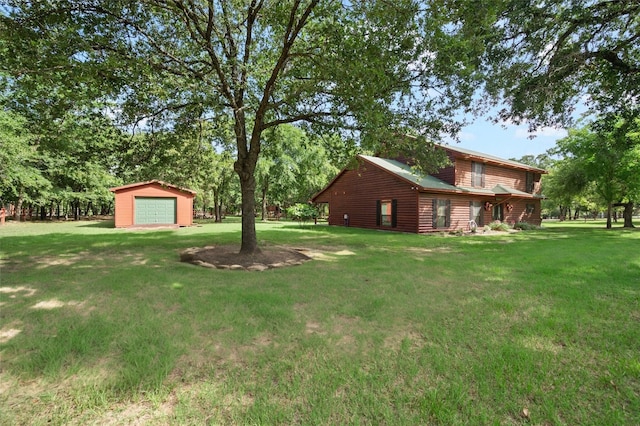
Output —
(229, 257)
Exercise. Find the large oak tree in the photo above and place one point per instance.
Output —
(376, 69)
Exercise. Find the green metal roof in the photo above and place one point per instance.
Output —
(489, 157)
(427, 182)
(406, 172)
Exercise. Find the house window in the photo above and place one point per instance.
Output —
(530, 182)
(497, 212)
(477, 174)
(475, 212)
(531, 208)
(441, 213)
(387, 212)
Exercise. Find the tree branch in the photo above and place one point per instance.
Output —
(292, 32)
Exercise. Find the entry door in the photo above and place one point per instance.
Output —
(155, 210)
(498, 212)
(476, 212)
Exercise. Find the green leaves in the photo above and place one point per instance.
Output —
(542, 58)
(601, 160)
(302, 212)
(20, 176)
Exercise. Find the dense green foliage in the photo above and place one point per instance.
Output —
(537, 327)
(141, 89)
(600, 166)
(20, 176)
(543, 58)
(364, 68)
(302, 212)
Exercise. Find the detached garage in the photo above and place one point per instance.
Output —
(153, 203)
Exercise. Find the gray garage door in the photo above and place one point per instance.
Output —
(155, 210)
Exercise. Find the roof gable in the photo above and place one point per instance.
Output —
(429, 183)
(151, 182)
(475, 155)
(405, 172)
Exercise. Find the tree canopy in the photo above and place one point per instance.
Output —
(602, 159)
(544, 57)
(370, 72)
(374, 69)
(20, 176)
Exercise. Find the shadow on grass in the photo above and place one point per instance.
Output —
(135, 328)
(66, 243)
(106, 224)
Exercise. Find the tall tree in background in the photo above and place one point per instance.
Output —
(563, 185)
(376, 68)
(21, 176)
(291, 172)
(606, 158)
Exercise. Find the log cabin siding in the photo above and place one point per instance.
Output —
(459, 213)
(356, 193)
(359, 192)
(519, 212)
(448, 173)
(493, 175)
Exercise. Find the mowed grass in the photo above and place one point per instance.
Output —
(106, 326)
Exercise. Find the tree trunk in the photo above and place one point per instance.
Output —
(249, 236)
(609, 211)
(628, 215)
(18, 211)
(245, 167)
(105, 209)
(216, 211)
(264, 201)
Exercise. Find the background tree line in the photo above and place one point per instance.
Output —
(112, 91)
(66, 169)
(593, 170)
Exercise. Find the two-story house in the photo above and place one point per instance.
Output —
(474, 190)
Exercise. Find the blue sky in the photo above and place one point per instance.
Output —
(507, 140)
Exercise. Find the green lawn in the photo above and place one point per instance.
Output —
(106, 326)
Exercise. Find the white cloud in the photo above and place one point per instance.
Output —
(549, 132)
(467, 136)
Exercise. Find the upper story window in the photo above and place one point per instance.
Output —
(530, 182)
(477, 174)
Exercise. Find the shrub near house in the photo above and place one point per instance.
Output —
(302, 212)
